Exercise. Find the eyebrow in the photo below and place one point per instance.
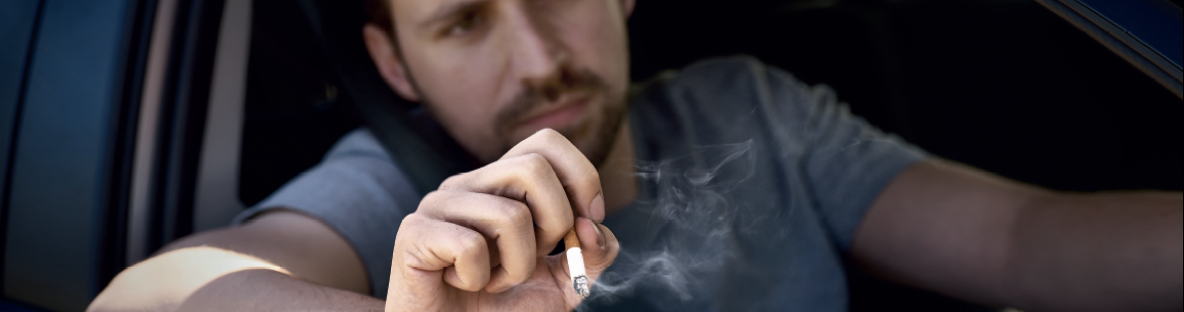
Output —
(449, 10)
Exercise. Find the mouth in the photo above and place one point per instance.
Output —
(557, 116)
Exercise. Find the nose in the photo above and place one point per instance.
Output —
(537, 55)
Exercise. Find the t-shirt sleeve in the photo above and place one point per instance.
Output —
(358, 191)
(846, 161)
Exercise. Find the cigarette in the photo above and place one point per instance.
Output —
(575, 264)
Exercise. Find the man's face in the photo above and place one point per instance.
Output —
(493, 72)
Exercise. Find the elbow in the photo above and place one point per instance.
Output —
(164, 282)
(127, 292)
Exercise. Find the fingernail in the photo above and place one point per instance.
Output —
(599, 235)
(597, 207)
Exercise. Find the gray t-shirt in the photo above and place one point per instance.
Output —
(752, 186)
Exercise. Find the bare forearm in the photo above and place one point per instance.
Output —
(265, 290)
(210, 279)
(1101, 252)
(976, 236)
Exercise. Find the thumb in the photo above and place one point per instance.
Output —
(599, 248)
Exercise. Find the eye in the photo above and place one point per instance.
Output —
(465, 24)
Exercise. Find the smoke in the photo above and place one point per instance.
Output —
(695, 216)
(692, 213)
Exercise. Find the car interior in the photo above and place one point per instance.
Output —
(127, 124)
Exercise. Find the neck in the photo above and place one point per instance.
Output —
(618, 178)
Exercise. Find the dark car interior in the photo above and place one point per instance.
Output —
(1008, 86)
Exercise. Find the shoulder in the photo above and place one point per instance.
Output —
(356, 174)
(738, 74)
(358, 143)
(713, 96)
(721, 69)
(734, 83)
(717, 76)
(359, 159)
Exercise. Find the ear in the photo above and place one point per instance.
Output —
(382, 51)
(627, 7)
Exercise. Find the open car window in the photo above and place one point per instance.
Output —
(126, 124)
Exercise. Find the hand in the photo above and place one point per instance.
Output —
(481, 241)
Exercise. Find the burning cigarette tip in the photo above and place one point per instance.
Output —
(581, 285)
(575, 264)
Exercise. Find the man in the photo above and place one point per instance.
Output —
(728, 186)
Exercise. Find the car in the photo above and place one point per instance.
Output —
(127, 124)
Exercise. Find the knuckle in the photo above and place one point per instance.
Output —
(533, 167)
(555, 139)
(411, 223)
(549, 135)
(405, 227)
(451, 182)
(513, 213)
(534, 162)
(433, 199)
(547, 138)
(536, 166)
(591, 177)
(470, 243)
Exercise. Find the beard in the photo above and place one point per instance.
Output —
(568, 81)
(540, 92)
(605, 133)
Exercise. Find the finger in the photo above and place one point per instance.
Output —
(529, 179)
(577, 175)
(428, 251)
(598, 244)
(505, 222)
